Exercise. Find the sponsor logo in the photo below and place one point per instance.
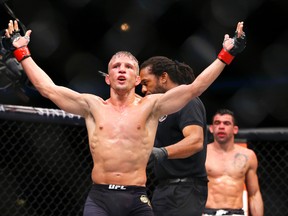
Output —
(221, 212)
(116, 187)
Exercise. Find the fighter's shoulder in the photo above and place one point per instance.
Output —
(150, 97)
(91, 98)
(245, 150)
(242, 148)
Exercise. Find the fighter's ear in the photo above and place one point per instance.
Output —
(164, 77)
(211, 128)
(235, 129)
(107, 79)
(138, 80)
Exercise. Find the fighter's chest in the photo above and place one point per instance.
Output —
(233, 164)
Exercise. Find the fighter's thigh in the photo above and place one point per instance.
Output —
(92, 209)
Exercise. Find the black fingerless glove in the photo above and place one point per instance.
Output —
(8, 42)
(157, 156)
(160, 154)
(239, 45)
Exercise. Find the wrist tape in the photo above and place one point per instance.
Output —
(21, 53)
(225, 56)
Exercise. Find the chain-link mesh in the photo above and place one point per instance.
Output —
(45, 168)
(273, 175)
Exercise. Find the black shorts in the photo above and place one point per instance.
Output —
(115, 200)
(185, 197)
(212, 212)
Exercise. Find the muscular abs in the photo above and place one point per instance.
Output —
(226, 173)
(120, 144)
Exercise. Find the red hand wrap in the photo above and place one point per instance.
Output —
(21, 53)
(225, 56)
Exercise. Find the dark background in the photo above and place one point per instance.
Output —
(73, 39)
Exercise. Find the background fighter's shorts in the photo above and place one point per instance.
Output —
(115, 200)
(226, 212)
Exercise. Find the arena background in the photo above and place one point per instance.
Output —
(73, 39)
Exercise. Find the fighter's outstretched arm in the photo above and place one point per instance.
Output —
(65, 98)
(176, 98)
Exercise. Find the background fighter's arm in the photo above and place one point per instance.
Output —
(255, 201)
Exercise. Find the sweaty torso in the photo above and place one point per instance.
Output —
(120, 140)
(226, 172)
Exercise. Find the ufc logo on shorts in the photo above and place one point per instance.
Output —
(116, 187)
